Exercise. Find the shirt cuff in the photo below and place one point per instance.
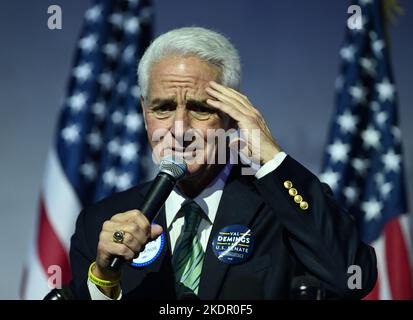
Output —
(271, 165)
(96, 294)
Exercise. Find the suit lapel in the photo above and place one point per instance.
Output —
(238, 205)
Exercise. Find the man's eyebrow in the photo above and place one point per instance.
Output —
(200, 103)
(158, 101)
(197, 101)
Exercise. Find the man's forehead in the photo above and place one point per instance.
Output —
(184, 69)
(182, 63)
(173, 99)
(190, 80)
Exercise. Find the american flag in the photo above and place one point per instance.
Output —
(363, 158)
(100, 144)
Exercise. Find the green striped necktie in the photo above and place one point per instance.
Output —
(188, 256)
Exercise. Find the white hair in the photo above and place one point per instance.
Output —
(209, 46)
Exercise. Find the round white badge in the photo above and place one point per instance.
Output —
(152, 251)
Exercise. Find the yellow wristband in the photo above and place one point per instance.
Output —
(100, 282)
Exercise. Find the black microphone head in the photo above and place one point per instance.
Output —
(245, 287)
(65, 293)
(54, 294)
(306, 287)
(173, 166)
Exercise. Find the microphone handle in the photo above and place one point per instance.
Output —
(159, 191)
(152, 203)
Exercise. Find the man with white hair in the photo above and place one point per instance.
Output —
(221, 233)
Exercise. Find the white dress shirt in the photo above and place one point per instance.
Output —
(208, 200)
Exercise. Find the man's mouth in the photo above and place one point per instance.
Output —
(184, 150)
(188, 153)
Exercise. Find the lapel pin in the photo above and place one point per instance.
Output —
(233, 244)
(151, 252)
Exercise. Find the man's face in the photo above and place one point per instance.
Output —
(177, 117)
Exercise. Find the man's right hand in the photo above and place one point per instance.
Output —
(137, 233)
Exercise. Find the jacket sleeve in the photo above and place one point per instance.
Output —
(322, 236)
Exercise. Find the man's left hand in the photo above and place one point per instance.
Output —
(248, 119)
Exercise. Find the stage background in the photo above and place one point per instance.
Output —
(289, 52)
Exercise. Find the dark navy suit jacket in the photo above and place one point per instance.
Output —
(321, 241)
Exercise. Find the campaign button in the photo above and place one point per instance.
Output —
(233, 244)
(151, 252)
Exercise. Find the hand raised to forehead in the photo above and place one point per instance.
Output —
(259, 142)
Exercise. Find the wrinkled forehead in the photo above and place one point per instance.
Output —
(183, 70)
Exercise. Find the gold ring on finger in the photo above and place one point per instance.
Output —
(118, 236)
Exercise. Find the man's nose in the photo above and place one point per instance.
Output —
(181, 123)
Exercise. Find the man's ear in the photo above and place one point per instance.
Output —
(143, 110)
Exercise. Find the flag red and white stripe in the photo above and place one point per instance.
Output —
(58, 210)
(100, 139)
(363, 161)
(394, 262)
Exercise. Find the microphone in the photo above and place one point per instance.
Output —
(306, 287)
(245, 287)
(170, 171)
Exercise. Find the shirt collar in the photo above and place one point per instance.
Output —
(208, 199)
